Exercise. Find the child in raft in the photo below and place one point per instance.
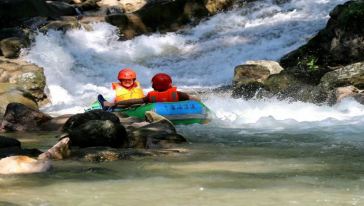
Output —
(163, 92)
(126, 88)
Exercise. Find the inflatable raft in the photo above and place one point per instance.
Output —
(183, 112)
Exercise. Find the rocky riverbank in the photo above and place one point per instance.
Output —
(325, 70)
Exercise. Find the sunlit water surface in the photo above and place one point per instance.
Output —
(252, 166)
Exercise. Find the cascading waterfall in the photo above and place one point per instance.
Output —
(80, 63)
(254, 152)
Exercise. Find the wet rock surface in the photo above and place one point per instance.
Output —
(341, 42)
(19, 117)
(14, 93)
(27, 76)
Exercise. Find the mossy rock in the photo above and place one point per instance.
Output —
(10, 47)
(341, 42)
(14, 93)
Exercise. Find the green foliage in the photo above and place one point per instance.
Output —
(354, 11)
(309, 63)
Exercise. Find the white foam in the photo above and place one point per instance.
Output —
(239, 112)
(82, 63)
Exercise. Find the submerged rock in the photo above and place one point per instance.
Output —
(106, 154)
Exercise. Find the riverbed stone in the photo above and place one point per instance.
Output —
(250, 77)
(106, 154)
(344, 92)
(10, 47)
(61, 25)
(352, 74)
(60, 8)
(88, 5)
(29, 77)
(19, 117)
(158, 134)
(15, 93)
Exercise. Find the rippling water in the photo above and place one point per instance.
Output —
(223, 167)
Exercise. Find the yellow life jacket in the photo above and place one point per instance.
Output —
(122, 93)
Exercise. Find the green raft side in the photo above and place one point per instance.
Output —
(138, 111)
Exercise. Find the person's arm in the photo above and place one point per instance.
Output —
(184, 96)
(129, 102)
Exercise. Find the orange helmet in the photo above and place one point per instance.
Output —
(161, 82)
(126, 73)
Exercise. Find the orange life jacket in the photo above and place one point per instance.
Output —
(170, 95)
(122, 93)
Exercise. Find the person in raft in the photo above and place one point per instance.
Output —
(163, 92)
(126, 88)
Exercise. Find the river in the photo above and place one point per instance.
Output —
(255, 152)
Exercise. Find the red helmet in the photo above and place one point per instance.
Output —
(126, 73)
(161, 82)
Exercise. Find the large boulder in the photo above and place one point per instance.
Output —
(96, 128)
(19, 117)
(287, 86)
(14, 93)
(28, 76)
(78, 119)
(99, 133)
(214, 6)
(352, 74)
(88, 5)
(160, 133)
(126, 6)
(163, 15)
(15, 12)
(61, 25)
(60, 8)
(12, 11)
(18, 32)
(10, 47)
(250, 77)
(340, 43)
